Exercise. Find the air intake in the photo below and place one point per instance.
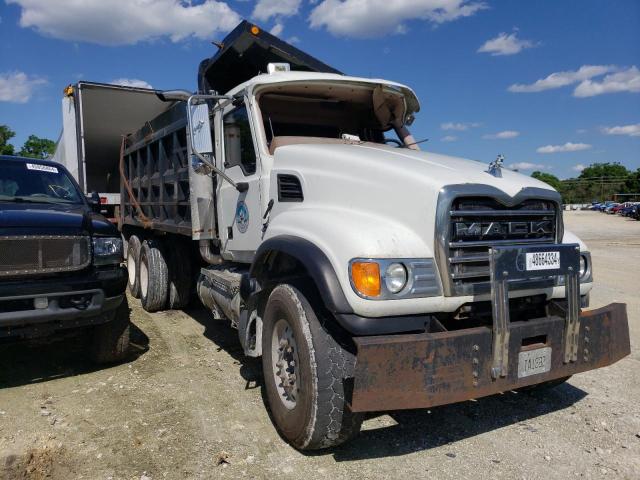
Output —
(289, 189)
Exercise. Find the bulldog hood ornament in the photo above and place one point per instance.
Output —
(495, 167)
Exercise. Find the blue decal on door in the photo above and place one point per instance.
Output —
(242, 217)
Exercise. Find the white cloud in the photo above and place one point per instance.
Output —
(527, 166)
(293, 40)
(459, 127)
(375, 18)
(125, 22)
(502, 135)
(277, 29)
(624, 81)
(449, 138)
(567, 147)
(505, 44)
(18, 87)
(562, 79)
(579, 167)
(631, 130)
(130, 82)
(265, 9)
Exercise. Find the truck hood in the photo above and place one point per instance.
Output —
(381, 200)
(49, 219)
(384, 164)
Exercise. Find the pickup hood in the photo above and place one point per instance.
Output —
(49, 219)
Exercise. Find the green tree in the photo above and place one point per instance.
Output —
(606, 170)
(548, 179)
(36, 147)
(6, 134)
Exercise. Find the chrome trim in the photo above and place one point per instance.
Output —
(422, 278)
(446, 198)
(498, 213)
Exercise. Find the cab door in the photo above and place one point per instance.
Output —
(240, 213)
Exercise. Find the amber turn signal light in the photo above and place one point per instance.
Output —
(366, 278)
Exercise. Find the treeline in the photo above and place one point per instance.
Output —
(597, 182)
(34, 147)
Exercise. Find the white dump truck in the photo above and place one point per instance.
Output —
(367, 274)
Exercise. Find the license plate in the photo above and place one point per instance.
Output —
(533, 362)
(543, 260)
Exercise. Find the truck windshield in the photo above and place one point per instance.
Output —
(329, 111)
(36, 183)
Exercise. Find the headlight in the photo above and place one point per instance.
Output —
(583, 265)
(395, 277)
(107, 250)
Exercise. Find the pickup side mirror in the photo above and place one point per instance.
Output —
(94, 201)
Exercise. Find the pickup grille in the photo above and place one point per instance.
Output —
(476, 224)
(29, 255)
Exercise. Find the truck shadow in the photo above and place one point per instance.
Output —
(26, 362)
(412, 430)
(225, 338)
(417, 430)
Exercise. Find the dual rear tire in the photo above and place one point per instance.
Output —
(158, 278)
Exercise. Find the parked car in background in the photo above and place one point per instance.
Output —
(609, 208)
(627, 209)
(60, 262)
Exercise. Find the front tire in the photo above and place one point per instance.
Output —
(306, 374)
(110, 341)
(154, 276)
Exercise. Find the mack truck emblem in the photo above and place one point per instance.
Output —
(498, 229)
(495, 167)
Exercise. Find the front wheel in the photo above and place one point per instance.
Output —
(306, 374)
(110, 342)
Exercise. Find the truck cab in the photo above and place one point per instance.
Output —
(60, 262)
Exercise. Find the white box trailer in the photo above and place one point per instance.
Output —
(95, 117)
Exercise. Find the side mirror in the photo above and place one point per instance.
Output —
(94, 201)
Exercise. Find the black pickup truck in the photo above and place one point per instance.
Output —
(60, 261)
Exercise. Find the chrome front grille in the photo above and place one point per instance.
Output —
(477, 223)
(28, 254)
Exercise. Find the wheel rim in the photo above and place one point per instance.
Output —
(131, 268)
(144, 279)
(285, 364)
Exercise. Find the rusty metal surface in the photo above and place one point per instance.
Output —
(424, 370)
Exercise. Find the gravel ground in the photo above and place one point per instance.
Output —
(188, 405)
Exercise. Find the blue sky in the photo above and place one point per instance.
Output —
(552, 85)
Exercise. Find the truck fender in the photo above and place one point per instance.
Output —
(315, 262)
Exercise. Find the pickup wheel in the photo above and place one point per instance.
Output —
(154, 276)
(133, 265)
(179, 277)
(110, 341)
(305, 372)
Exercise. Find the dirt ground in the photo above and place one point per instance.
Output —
(188, 405)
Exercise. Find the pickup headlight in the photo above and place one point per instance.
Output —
(107, 250)
(394, 279)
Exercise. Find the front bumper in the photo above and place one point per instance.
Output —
(424, 370)
(42, 306)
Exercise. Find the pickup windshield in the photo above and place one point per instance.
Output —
(36, 183)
